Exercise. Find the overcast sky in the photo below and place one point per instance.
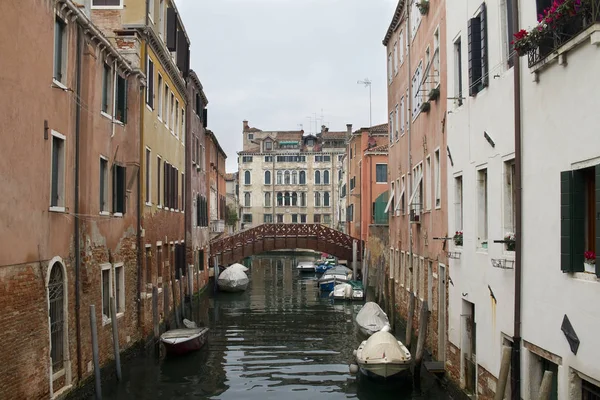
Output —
(278, 62)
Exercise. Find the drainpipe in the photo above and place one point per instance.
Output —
(76, 205)
(516, 347)
(409, 117)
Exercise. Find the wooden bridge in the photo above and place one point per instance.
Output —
(268, 237)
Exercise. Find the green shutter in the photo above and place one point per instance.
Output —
(566, 183)
(578, 222)
(597, 217)
(125, 88)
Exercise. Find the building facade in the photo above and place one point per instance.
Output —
(417, 163)
(70, 221)
(288, 177)
(152, 36)
(342, 189)
(232, 216)
(481, 192)
(561, 201)
(197, 218)
(367, 178)
(216, 185)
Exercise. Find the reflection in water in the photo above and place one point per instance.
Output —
(279, 339)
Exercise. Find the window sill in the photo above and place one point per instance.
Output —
(120, 314)
(586, 276)
(57, 209)
(381, 183)
(116, 121)
(59, 85)
(149, 108)
(104, 213)
(107, 7)
(106, 115)
(159, 207)
(149, 204)
(118, 215)
(106, 320)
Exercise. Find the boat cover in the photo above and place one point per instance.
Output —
(372, 317)
(239, 266)
(233, 278)
(342, 291)
(383, 345)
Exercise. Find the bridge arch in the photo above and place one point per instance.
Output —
(269, 237)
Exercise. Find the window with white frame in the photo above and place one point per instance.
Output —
(416, 87)
(482, 207)
(390, 70)
(120, 113)
(458, 84)
(402, 116)
(402, 268)
(148, 168)
(391, 127)
(151, 6)
(397, 121)
(436, 57)
(392, 269)
(247, 178)
(458, 203)
(167, 105)
(150, 82)
(247, 199)
(158, 169)
(176, 124)
(107, 3)
(118, 189)
(509, 197)
(395, 58)
(57, 172)
(107, 89)
(59, 73)
(57, 301)
(103, 184)
(161, 19)
(106, 289)
(182, 127)
(401, 46)
(172, 119)
(326, 197)
(160, 97)
(402, 195)
(415, 18)
(267, 199)
(120, 288)
(438, 179)
(428, 192)
(381, 173)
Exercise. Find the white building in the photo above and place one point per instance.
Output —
(561, 202)
(481, 204)
(288, 177)
(232, 201)
(342, 165)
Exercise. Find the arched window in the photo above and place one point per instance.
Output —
(268, 199)
(279, 198)
(247, 199)
(247, 178)
(294, 199)
(288, 198)
(57, 299)
(326, 199)
(267, 177)
(294, 177)
(302, 199)
(326, 177)
(279, 177)
(303, 177)
(317, 199)
(317, 177)
(287, 177)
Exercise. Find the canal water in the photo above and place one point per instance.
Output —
(280, 340)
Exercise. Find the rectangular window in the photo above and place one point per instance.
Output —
(167, 107)
(482, 206)
(247, 218)
(57, 195)
(148, 163)
(268, 218)
(176, 118)
(436, 57)
(381, 173)
(106, 3)
(118, 189)
(416, 87)
(415, 18)
(280, 218)
(60, 51)
(392, 264)
(397, 122)
(478, 52)
(120, 288)
(317, 218)
(246, 159)
(509, 31)
(172, 112)
(427, 183)
(150, 83)
(161, 19)
(159, 264)
(402, 116)
(158, 168)
(107, 79)
(160, 97)
(269, 145)
(395, 58)
(106, 292)
(352, 183)
(401, 47)
(458, 203)
(391, 127)
(103, 185)
(403, 196)
(183, 191)
(247, 199)
(438, 179)
(390, 71)
(509, 197)
(302, 218)
(458, 93)
(121, 105)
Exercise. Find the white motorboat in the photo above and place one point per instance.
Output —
(351, 290)
(334, 276)
(233, 280)
(371, 319)
(306, 266)
(383, 356)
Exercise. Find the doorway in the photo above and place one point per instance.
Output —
(468, 346)
(441, 312)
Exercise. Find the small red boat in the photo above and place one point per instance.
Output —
(182, 341)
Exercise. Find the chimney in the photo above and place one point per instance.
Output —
(323, 128)
(246, 127)
(349, 129)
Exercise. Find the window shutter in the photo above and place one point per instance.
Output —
(597, 216)
(566, 183)
(578, 222)
(124, 185)
(182, 51)
(484, 50)
(125, 87)
(150, 87)
(114, 188)
(165, 185)
(171, 29)
(474, 36)
(205, 118)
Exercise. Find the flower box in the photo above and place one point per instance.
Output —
(458, 238)
(510, 241)
(426, 106)
(434, 94)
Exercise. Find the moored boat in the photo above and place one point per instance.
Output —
(306, 266)
(371, 318)
(383, 356)
(182, 341)
(233, 280)
(333, 277)
(351, 290)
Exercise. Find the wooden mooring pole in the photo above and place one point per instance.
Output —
(181, 295)
(115, 332)
(155, 318)
(175, 307)
(409, 321)
(98, 381)
(423, 319)
(166, 306)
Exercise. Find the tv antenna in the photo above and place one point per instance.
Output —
(367, 82)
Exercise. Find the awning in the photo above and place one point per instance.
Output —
(417, 183)
(400, 197)
(387, 207)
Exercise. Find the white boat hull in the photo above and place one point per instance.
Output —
(383, 356)
(384, 370)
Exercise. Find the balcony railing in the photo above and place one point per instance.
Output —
(566, 29)
(217, 226)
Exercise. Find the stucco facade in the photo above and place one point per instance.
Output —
(216, 160)
(561, 181)
(232, 185)
(289, 177)
(481, 197)
(70, 170)
(367, 177)
(342, 188)
(417, 163)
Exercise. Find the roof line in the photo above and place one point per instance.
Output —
(394, 23)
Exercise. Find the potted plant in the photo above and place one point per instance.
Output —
(510, 243)
(434, 94)
(458, 238)
(590, 261)
(426, 106)
(423, 6)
